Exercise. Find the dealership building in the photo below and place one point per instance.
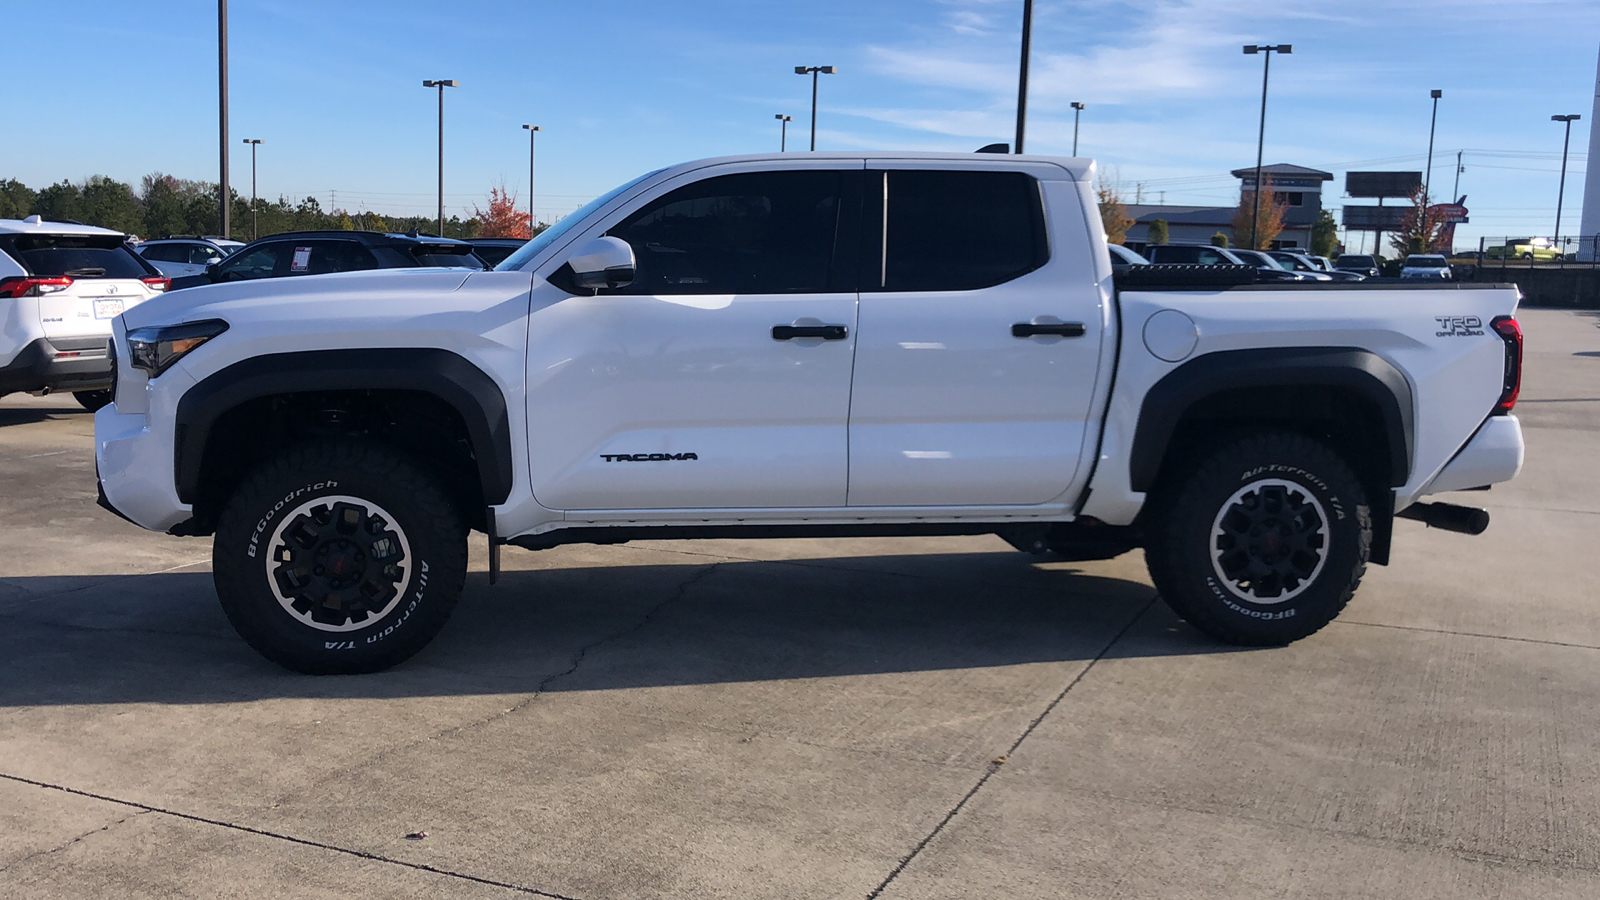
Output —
(1297, 188)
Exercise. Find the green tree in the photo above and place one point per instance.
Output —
(59, 201)
(1219, 240)
(16, 199)
(1158, 232)
(109, 203)
(1324, 235)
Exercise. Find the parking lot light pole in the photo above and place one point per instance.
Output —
(1022, 71)
(813, 71)
(1561, 192)
(532, 131)
(1261, 135)
(1077, 110)
(783, 135)
(441, 84)
(1427, 181)
(254, 143)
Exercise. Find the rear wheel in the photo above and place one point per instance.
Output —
(339, 557)
(92, 400)
(1265, 540)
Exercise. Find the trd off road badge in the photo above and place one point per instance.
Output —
(646, 457)
(1458, 326)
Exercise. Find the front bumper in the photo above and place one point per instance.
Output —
(133, 461)
(63, 364)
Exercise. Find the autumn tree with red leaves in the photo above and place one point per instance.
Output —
(502, 218)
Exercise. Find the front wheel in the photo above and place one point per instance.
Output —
(339, 557)
(1265, 540)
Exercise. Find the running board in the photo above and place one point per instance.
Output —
(1448, 516)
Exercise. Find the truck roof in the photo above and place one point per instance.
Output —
(1078, 168)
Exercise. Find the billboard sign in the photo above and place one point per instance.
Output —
(1377, 218)
(1381, 184)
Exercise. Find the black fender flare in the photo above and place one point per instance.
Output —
(449, 376)
(1362, 371)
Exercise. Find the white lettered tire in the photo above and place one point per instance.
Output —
(1264, 541)
(339, 557)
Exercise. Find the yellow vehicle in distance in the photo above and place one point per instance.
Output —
(1536, 249)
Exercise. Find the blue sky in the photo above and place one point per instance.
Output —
(334, 88)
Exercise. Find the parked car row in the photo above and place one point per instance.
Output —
(1277, 266)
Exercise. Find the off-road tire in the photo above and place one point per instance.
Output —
(92, 400)
(283, 523)
(1263, 541)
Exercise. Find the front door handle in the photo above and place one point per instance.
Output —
(826, 332)
(1062, 329)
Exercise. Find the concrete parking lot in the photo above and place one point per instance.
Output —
(904, 718)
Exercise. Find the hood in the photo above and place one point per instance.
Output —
(314, 292)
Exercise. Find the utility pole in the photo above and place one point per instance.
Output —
(1455, 192)
(1022, 76)
(1261, 136)
(222, 113)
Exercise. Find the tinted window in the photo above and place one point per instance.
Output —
(447, 255)
(492, 254)
(78, 255)
(751, 233)
(254, 263)
(324, 257)
(1359, 261)
(1202, 256)
(954, 231)
(164, 253)
(1426, 262)
(201, 254)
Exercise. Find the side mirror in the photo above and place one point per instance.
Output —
(211, 270)
(605, 262)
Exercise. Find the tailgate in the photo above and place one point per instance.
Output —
(87, 280)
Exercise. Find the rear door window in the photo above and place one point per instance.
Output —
(201, 254)
(952, 230)
(165, 253)
(325, 257)
(77, 255)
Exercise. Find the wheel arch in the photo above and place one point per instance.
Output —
(444, 376)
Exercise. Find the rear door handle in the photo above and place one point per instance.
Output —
(826, 332)
(1062, 329)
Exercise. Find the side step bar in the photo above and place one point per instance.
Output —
(1449, 516)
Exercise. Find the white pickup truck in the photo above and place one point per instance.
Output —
(803, 345)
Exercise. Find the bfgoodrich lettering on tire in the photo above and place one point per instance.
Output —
(1263, 542)
(339, 557)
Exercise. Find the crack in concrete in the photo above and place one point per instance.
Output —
(261, 832)
(994, 767)
(1473, 634)
(87, 834)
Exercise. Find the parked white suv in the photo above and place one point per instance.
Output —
(178, 257)
(1430, 266)
(61, 284)
(803, 345)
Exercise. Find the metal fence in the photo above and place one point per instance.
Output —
(1530, 252)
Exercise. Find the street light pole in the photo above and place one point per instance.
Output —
(1261, 135)
(254, 143)
(1427, 181)
(441, 85)
(1022, 71)
(532, 131)
(813, 71)
(1561, 193)
(222, 113)
(1077, 110)
(783, 136)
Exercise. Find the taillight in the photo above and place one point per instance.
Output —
(33, 285)
(157, 283)
(1511, 333)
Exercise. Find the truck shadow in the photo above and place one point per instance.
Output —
(577, 626)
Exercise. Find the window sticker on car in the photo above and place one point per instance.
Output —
(302, 259)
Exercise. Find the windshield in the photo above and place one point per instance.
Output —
(549, 235)
(1363, 261)
(1426, 262)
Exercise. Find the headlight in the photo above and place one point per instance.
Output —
(156, 348)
